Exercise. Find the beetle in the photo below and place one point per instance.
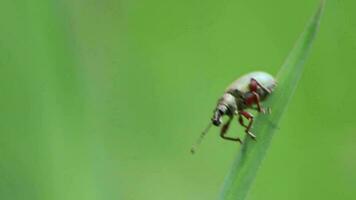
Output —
(247, 92)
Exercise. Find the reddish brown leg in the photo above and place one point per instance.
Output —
(224, 129)
(250, 117)
(256, 97)
(241, 121)
(254, 81)
(258, 102)
(264, 110)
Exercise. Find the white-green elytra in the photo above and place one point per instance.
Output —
(264, 78)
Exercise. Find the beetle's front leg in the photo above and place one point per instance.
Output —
(224, 129)
(241, 121)
(250, 117)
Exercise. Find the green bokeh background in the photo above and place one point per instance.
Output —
(102, 99)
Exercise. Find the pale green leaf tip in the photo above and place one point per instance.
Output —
(244, 169)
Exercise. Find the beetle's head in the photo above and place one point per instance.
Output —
(226, 106)
(219, 112)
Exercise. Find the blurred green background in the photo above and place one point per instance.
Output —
(102, 99)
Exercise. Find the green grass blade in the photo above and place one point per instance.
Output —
(248, 160)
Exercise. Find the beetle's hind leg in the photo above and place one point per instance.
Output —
(224, 129)
(253, 86)
(250, 117)
(254, 83)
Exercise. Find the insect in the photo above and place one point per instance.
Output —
(247, 92)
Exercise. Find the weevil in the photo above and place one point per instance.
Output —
(247, 92)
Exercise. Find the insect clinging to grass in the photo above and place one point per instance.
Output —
(247, 92)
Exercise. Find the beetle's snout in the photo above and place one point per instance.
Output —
(219, 112)
(216, 120)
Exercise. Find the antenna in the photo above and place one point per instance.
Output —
(198, 141)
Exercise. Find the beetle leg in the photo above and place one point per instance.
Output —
(254, 83)
(258, 103)
(241, 121)
(250, 117)
(224, 129)
(267, 110)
